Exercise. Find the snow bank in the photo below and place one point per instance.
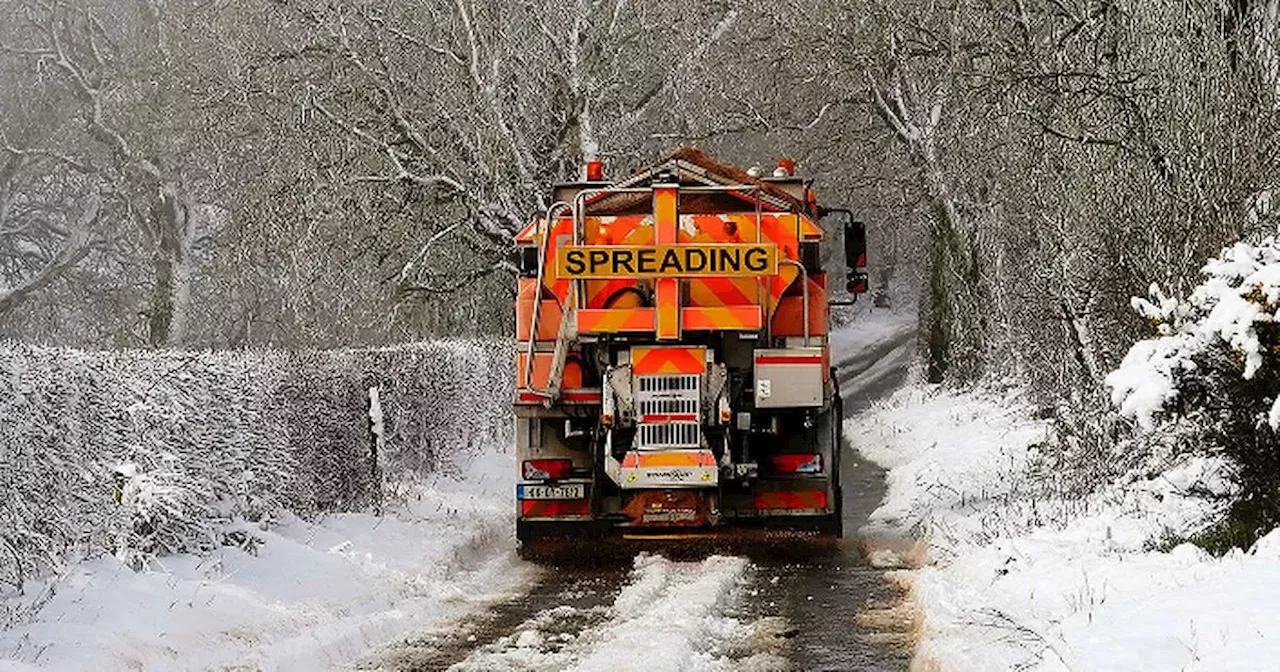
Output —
(942, 482)
(308, 596)
(1024, 578)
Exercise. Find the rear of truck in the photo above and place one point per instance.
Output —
(673, 373)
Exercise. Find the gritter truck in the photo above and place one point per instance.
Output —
(673, 372)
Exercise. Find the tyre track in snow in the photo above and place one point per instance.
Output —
(842, 613)
(578, 593)
(769, 612)
(657, 614)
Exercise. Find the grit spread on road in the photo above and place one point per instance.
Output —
(807, 609)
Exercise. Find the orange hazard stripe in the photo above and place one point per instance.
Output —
(600, 291)
(667, 361)
(668, 300)
(611, 230)
(797, 499)
(527, 234)
(669, 458)
(606, 321)
(808, 230)
(724, 291)
(666, 231)
(734, 318)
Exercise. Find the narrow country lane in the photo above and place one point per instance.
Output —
(759, 611)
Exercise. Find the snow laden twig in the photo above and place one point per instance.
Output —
(1229, 316)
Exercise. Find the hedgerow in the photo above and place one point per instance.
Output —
(144, 453)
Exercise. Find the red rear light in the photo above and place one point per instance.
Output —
(804, 463)
(544, 470)
(543, 508)
(800, 499)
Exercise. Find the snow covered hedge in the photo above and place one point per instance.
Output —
(1212, 374)
(141, 453)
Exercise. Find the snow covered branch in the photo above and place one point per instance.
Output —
(146, 453)
(1231, 316)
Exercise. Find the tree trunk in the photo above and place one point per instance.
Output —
(938, 342)
(955, 279)
(171, 264)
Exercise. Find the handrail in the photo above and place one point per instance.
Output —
(537, 299)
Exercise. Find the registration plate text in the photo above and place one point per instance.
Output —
(562, 491)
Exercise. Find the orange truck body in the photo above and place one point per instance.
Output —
(673, 370)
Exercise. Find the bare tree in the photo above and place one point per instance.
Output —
(84, 47)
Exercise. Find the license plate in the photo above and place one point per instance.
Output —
(563, 491)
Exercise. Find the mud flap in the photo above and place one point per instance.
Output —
(674, 508)
(803, 505)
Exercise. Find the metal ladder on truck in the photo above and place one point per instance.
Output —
(568, 330)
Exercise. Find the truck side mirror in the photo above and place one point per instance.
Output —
(855, 256)
(855, 245)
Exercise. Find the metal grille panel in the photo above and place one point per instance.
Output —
(674, 400)
(670, 435)
(668, 407)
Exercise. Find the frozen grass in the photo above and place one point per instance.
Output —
(1024, 577)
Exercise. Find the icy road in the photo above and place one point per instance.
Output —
(829, 611)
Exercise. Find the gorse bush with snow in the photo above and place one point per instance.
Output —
(1213, 374)
(145, 453)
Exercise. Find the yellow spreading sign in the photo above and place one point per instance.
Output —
(613, 261)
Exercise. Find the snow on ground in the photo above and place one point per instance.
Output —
(872, 351)
(314, 596)
(870, 327)
(1022, 580)
(670, 616)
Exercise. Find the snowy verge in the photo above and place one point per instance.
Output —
(311, 595)
(1023, 578)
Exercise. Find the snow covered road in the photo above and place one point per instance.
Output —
(666, 615)
(715, 613)
(435, 584)
(793, 611)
